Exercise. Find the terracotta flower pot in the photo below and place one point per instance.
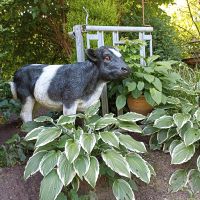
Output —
(139, 105)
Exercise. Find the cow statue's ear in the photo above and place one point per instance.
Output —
(91, 54)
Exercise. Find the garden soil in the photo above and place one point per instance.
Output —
(13, 187)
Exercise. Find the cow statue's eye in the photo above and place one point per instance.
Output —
(107, 58)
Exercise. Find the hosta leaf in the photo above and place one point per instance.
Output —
(191, 135)
(61, 196)
(43, 119)
(93, 172)
(140, 85)
(184, 129)
(130, 126)
(93, 109)
(88, 142)
(173, 145)
(131, 86)
(120, 101)
(182, 153)
(65, 170)
(47, 136)
(110, 138)
(156, 95)
(33, 135)
(162, 135)
(138, 167)
(105, 121)
(178, 180)
(164, 122)
(81, 165)
(152, 171)
(69, 119)
(72, 149)
(122, 190)
(197, 114)
(180, 119)
(131, 144)
(149, 130)
(198, 163)
(131, 117)
(51, 186)
(33, 164)
(156, 114)
(194, 180)
(149, 78)
(116, 162)
(48, 162)
(157, 84)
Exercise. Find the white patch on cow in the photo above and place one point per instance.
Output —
(42, 86)
(71, 110)
(13, 90)
(115, 52)
(83, 105)
(27, 109)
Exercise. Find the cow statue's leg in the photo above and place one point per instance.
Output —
(70, 110)
(27, 109)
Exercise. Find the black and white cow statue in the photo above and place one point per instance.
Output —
(68, 87)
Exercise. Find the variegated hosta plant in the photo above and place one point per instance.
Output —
(175, 128)
(66, 154)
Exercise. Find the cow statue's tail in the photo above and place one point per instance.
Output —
(13, 90)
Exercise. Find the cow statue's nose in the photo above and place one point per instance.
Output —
(125, 69)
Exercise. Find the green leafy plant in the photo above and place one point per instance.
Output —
(66, 154)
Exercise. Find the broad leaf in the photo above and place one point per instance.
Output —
(51, 186)
(131, 117)
(130, 126)
(120, 101)
(173, 144)
(131, 86)
(88, 142)
(33, 164)
(181, 119)
(140, 85)
(149, 130)
(61, 196)
(110, 138)
(69, 119)
(182, 153)
(156, 114)
(156, 95)
(33, 135)
(138, 167)
(43, 119)
(65, 170)
(93, 172)
(81, 165)
(93, 109)
(197, 114)
(157, 84)
(122, 190)
(132, 144)
(191, 135)
(72, 149)
(162, 135)
(47, 136)
(194, 180)
(116, 162)
(164, 122)
(198, 163)
(105, 121)
(178, 180)
(149, 77)
(48, 162)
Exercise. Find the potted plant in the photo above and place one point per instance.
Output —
(148, 84)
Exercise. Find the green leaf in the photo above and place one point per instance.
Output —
(43, 119)
(116, 162)
(131, 144)
(149, 99)
(136, 93)
(140, 85)
(66, 119)
(47, 136)
(93, 172)
(182, 153)
(191, 135)
(180, 119)
(178, 180)
(81, 165)
(129, 126)
(149, 78)
(105, 121)
(88, 142)
(131, 117)
(33, 135)
(197, 114)
(157, 84)
(110, 138)
(65, 170)
(122, 190)
(51, 186)
(156, 114)
(33, 164)
(29, 126)
(198, 163)
(48, 162)
(93, 109)
(194, 180)
(173, 144)
(131, 86)
(61, 196)
(138, 167)
(156, 95)
(152, 58)
(120, 101)
(72, 149)
(152, 171)
(162, 136)
(149, 130)
(164, 122)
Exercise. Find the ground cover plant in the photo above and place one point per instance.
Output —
(66, 154)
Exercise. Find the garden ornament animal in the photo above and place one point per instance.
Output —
(68, 87)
